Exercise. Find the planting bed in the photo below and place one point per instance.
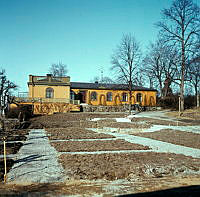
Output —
(130, 166)
(75, 146)
(114, 124)
(175, 137)
(153, 121)
(13, 145)
(74, 133)
(11, 148)
(9, 163)
(70, 120)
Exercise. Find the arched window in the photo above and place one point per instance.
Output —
(139, 97)
(49, 93)
(124, 96)
(93, 96)
(109, 96)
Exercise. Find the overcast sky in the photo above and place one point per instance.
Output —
(80, 33)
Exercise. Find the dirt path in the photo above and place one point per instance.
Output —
(36, 161)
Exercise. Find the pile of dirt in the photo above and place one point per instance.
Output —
(74, 133)
(175, 137)
(130, 166)
(104, 145)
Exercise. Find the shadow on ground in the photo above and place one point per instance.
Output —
(189, 191)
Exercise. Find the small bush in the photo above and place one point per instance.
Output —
(172, 102)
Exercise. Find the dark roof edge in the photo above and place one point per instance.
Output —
(97, 86)
(49, 84)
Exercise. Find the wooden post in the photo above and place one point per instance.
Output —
(179, 105)
(5, 166)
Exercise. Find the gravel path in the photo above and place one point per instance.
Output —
(36, 161)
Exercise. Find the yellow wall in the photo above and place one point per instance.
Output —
(39, 91)
(148, 97)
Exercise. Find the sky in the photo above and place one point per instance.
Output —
(82, 34)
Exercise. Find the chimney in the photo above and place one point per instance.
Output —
(49, 76)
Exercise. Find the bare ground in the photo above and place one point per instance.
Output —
(128, 166)
(76, 146)
(114, 174)
(75, 133)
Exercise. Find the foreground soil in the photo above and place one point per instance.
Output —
(113, 173)
(14, 139)
(163, 187)
(128, 166)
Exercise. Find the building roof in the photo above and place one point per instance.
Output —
(98, 86)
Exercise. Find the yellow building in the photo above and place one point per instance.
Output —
(49, 94)
(49, 89)
(111, 94)
(61, 90)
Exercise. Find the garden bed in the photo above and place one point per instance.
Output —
(74, 133)
(104, 145)
(131, 166)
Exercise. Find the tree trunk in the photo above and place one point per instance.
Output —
(130, 100)
(182, 72)
(161, 89)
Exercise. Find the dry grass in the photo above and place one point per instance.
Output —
(193, 114)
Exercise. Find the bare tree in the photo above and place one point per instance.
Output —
(194, 74)
(125, 61)
(160, 66)
(58, 70)
(5, 87)
(180, 26)
(105, 79)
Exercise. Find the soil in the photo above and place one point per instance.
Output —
(75, 133)
(11, 148)
(76, 146)
(93, 188)
(175, 137)
(9, 164)
(128, 166)
(70, 120)
(114, 124)
(14, 141)
(112, 173)
(152, 121)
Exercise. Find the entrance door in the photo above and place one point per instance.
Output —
(82, 96)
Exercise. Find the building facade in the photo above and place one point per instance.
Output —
(111, 94)
(60, 90)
